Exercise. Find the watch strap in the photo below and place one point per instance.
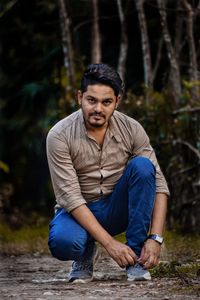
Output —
(157, 238)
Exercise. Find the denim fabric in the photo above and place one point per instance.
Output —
(128, 209)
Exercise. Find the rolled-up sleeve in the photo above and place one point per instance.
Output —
(143, 148)
(63, 175)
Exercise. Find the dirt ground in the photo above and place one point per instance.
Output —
(42, 277)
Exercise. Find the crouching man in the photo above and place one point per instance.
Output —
(106, 180)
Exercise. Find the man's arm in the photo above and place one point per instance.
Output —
(63, 174)
(151, 249)
(121, 253)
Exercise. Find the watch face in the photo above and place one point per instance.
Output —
(156, 238)
(159, 239)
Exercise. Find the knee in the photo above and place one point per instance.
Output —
(65, 247)
(142, 167)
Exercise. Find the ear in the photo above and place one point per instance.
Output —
(118, 98)
(79, 97)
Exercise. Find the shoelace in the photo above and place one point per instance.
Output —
(138, 266)
(80, 265)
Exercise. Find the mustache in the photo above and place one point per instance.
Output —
(96, 114)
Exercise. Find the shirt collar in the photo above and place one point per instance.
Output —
(113, 129)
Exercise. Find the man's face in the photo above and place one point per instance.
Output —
(98, 104)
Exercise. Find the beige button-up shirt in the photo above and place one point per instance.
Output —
(82, 171)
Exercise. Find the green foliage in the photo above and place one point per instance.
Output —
(34, 97)
(4, 167)
(174, 269)
(175, 135)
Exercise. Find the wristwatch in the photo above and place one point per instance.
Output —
(159, 239)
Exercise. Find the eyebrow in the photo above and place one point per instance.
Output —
(104, 99)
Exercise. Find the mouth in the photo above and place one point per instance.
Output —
(97, 117)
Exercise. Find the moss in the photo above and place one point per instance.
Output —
(28, 239)
(178, 249)
(186, 272)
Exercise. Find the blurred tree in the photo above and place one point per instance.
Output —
(148, 73)
(68, 49)
(123, 42)
(30, 68)
(193, 70)
(174, 75)
(96, 36)
(35, 72)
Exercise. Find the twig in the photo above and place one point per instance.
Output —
(182, 171)
(186, 109)
(179, 141)
(193, 149)
(8, 7)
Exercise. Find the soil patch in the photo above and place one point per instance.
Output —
(42, 277)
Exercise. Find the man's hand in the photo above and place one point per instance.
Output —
(150, 254)
(121, 253)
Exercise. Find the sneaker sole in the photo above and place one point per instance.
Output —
(79, 280)
(143, 278)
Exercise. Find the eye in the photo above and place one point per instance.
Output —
(107, 102)
(91, 100)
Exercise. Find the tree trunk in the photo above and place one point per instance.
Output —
(96, 38)
(192, 50)
(123, 43)
(158, 57)
(148, 75)
(67, 43)
(178, 31)
(174, 76)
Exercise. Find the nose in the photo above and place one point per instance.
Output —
(98, 107)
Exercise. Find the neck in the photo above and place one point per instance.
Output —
(94, 129)
(97, 133)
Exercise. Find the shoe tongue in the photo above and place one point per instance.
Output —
(138, 266)
(80, 265)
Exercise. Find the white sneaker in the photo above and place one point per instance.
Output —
(137, 273)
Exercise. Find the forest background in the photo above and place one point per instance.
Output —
(45, 46)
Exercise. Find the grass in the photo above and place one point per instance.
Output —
(29, 239)
(33, 238)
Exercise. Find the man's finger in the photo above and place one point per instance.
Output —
(132, 254)
(151, 262)
(130, 260)
(143, 258)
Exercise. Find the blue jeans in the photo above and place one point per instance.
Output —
(128, 209)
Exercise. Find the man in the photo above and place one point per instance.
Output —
(107, 180)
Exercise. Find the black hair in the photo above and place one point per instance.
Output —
(103, 74)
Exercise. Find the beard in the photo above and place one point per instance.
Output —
(96, 124)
